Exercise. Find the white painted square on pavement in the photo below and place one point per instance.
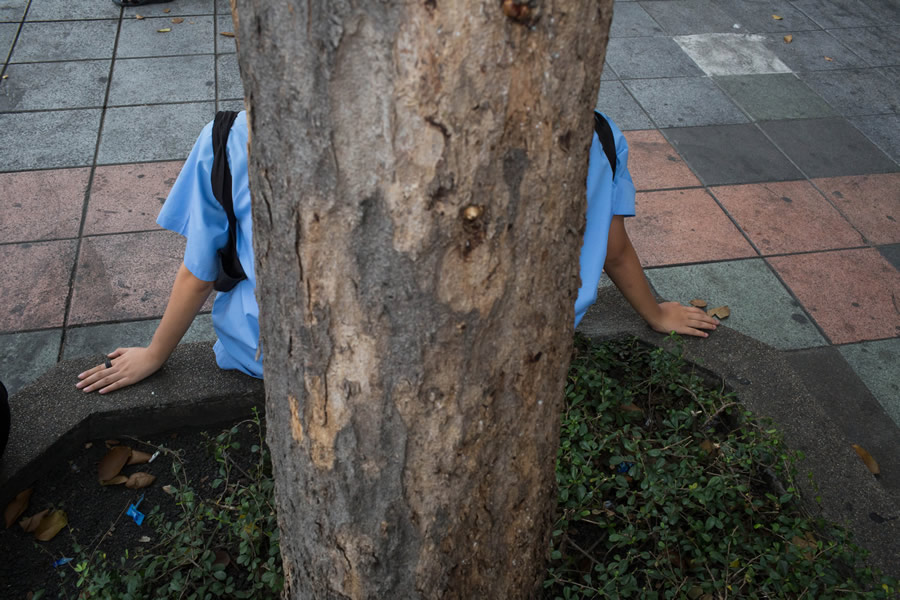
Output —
(731, 54)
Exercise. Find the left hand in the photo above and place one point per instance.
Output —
(686, 320)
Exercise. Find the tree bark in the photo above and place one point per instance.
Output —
(418, 176)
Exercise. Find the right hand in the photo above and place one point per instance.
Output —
(129, 365)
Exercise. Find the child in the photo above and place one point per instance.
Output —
(192, 210)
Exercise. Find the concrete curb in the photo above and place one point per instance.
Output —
(51, 418)
(767, 385)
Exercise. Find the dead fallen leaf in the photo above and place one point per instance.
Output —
(111, 443)
(177, 20)
(867, 458)
(31, 523)
(808, 545)
(139, 17)
(777, 18)
(139, 480)
(166, 10)
(698, 303)
(222, 558)
(788, 39)
(5, 76)
(112, 463)
(168, 489)
(721, 312)
(829, 59)
(117, 480)
(144, 539)
(15, 508)
(51, 525)
(227, 33)
(707, 446)
(164, 30)
(631, 408)
(139, 458)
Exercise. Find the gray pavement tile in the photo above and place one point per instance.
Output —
(65, 40)
(760, 305)
(7, 37)
(638, 58)
(876, 364)
(731, 54)
(843, 396)
(47, 140)
(178, 8)
(62, 10)
(838, 13)
(608, 73)
(99, 340)
(229, 77)
(856, 92)
(144, 133)
(883, 131)
(162, 79)
(11, 11)
(25, 356)
(886, 12)
(225, 44)
(892, 73)
(773, 97)
(630, 20)
(685, 102)
(728, 154)
(878, 46)
(690, 16)
(236, 105)
(892, 254)
(808, 49)
(614, 100)
(142, 38)
(38, 86)
(755, 16)
(828, 147)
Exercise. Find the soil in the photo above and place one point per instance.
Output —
(96, 513)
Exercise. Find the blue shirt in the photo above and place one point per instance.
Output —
(606, 196)
(192, 211)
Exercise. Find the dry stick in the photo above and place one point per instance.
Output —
(718, 412)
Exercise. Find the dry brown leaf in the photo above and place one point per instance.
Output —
(117, 480)
(222, 558)
(177, 20)
(707, 446)
(788, 39)
(31, 523)
(631, 408)
(164, 30)
(807, 544)
(829, 59)
(112, 463)
(227, 33)
(5, 76)
(871, 463)
(139, 458)
(166, 10)
(168, 489)
(698, 303)
(15, 508)
(139, 480)
(51, 525)
(139, 17)
(721, 312)
(777, 18)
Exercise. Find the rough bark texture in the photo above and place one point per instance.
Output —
(418, 179)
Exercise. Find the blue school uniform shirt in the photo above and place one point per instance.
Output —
(606, 196)
(192, 211)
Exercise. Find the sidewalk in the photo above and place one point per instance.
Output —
(768, 174)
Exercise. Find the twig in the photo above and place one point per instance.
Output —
(718, 412)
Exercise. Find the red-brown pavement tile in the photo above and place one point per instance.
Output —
(128, 197)
(787, 217)
(42, 205)
(871, 202)
(127, 276)
(35, 284)
(654, 164)
(852, 294)
(683, 226)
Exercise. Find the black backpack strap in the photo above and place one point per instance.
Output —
(605, 133)
(230, 270)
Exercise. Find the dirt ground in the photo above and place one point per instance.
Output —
(96, 514)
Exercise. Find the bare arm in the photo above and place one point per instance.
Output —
(130, 365)
(624, 269)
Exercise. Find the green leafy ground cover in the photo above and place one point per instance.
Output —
(667, 489)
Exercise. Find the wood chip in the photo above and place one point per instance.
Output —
(139, 17)
(698, 303)
(177, 20)
(164, 30)
(829, 59)
(227, 33)
(777, 18)
(167, 10)
(788, 39)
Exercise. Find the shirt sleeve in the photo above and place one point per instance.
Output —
(191, 210)
(623, 200)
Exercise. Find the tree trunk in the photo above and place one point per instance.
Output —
(418, 175)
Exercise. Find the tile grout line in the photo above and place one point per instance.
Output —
(15, 40)
(87, 193)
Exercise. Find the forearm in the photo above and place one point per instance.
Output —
(187, 298)
(625, 271)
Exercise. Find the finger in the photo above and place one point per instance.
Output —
(91, 376)
(115, 385)
(90, 371)
(103, 382)
(693, 332)
(116, 353)
(704, 324)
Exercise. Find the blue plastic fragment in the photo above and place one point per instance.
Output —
(623, 467)
(60, 562)
(134, 513)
